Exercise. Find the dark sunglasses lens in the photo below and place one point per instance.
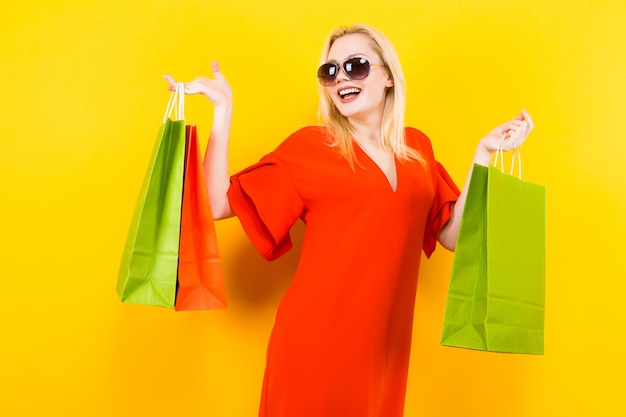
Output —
(327, 73)
(357, 68)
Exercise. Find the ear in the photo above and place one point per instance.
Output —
(389, 83)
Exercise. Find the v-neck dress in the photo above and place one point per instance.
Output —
(341, 340)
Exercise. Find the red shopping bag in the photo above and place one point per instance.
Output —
(200, 277)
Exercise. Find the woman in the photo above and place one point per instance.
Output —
(372, 196)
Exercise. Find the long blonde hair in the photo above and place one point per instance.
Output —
(392, 128)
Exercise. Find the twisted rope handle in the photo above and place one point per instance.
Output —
(500, 156)
(176, 101)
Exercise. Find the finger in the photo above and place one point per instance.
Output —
(512, 135)
(517, 133)
(521, 123)
(512, 142)
(170, 80)
(519, 117)
(215, 67)
(511, 126)
(528, 119)
(521, 130)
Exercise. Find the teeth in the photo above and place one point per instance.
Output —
(347, 91)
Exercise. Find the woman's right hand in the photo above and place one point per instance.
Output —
(215, 89)
(218, 91)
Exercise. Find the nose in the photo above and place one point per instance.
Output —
(341, 75)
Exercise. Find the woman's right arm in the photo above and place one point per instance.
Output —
(218, 91)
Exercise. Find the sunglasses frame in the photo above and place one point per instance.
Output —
(338, 67)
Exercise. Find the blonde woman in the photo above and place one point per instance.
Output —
(372, 196)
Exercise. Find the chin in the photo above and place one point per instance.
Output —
(346, 110)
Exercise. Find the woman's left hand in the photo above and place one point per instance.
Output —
(509, 136)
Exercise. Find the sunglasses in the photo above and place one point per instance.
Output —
(354, 68)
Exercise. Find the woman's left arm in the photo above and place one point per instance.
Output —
(515, 133)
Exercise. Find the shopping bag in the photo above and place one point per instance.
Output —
(200, 279)
(496, 295)
(149, 264)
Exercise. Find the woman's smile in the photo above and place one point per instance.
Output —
(349, 94)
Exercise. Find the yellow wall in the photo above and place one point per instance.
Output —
(81, 101)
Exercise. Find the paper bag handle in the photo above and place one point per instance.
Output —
(176, 101)
(500, 155)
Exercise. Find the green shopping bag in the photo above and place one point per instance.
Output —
(149, 265)
(496, 297)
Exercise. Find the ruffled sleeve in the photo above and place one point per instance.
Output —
(267, 204)
(446, 194)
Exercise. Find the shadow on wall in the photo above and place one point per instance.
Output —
(255, 282)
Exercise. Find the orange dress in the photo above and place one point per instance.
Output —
(341, 340)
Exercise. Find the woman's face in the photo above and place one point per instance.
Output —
(358, 100)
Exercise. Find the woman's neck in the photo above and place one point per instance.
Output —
(367, 131)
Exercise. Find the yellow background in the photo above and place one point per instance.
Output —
(81, 101)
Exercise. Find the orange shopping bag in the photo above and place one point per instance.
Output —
(200, 278)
